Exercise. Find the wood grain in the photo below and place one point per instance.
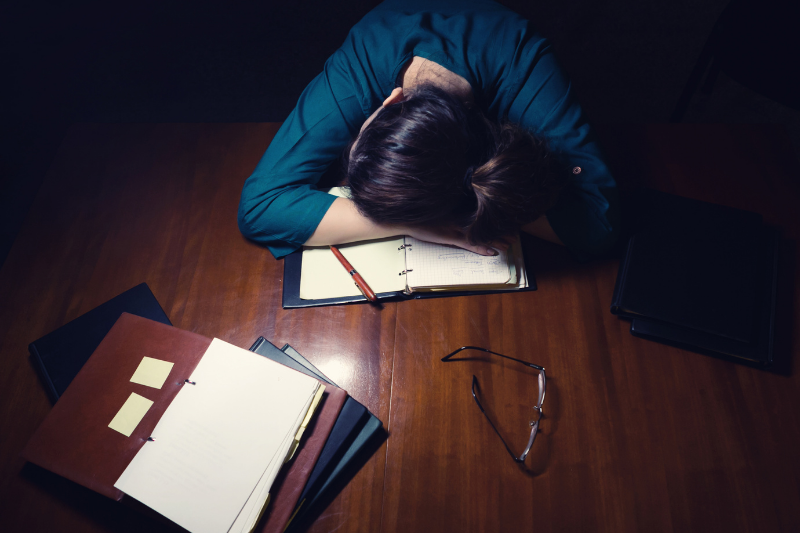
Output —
(637, 436)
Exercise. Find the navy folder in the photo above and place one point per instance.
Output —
(59, 355)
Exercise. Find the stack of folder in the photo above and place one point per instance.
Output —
(700, 276)
(211, 436)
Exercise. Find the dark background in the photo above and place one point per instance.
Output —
(204, 61)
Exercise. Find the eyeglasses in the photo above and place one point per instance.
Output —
(537, 409)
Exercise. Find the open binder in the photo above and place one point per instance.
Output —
(75, 439)
(293, 273)
(400, 268)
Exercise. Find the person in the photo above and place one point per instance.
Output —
(455, 125)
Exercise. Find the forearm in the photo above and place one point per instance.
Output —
(343, 223)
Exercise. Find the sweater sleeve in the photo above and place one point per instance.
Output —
(586, 215)
(280, 205)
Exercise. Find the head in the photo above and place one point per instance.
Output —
(427, 160)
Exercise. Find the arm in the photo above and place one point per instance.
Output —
(280, 205)
(343, 223)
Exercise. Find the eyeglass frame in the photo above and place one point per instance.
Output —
(542, 380)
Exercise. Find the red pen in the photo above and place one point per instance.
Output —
(360, 283)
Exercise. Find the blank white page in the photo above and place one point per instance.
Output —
(440, 265)
(217, 438)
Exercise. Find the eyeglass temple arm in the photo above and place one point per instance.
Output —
(526, 363)
(517, 459)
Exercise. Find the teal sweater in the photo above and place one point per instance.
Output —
(513, 76)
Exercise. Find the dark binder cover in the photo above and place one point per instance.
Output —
(351, 420)
(293, 264)
(59, 355)
(294, 354)
(263, 347)
(700, 276)
(353, 434)
(363, 444)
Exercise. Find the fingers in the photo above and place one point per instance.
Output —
(491, 248)
(479, 249)
(396, 96)
(500, 245)
(453, 238)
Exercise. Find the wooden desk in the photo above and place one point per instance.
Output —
(637, 436)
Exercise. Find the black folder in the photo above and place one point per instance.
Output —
(293, 264)
(700, 276)
(354, 436)
(59, 355)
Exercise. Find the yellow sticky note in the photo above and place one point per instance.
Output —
(131, 413)
(152, 372)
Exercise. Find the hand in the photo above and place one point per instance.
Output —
(455, 238)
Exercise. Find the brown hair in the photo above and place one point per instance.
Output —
(430, 161)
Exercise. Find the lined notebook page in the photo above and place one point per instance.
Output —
(439, 265)
(219, 438)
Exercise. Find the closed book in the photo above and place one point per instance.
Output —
(700, 276)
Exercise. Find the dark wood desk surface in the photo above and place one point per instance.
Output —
(637, 436)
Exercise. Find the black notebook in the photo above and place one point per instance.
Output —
(59, 355)
(700, 276)
(352, 440)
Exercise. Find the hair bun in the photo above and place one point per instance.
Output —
(515, 186)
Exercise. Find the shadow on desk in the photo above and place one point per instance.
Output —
(784, 309)
(93, 507)
(133, 516)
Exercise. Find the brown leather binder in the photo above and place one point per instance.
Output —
(75, 441)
